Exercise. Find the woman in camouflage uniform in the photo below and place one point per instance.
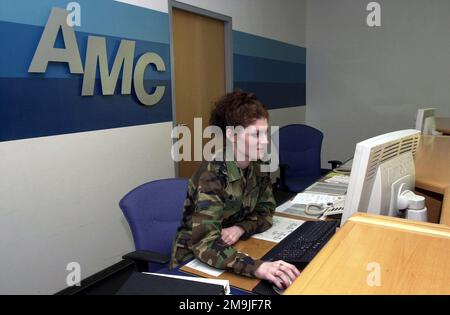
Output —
(231, 199)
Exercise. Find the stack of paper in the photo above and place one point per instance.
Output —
(340, 179)
(295, 209)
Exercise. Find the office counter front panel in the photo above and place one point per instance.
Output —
(433, 176)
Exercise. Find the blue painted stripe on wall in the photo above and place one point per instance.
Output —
(16, 56)
(276, 95)
(106, 17)
(35, 107)
(257, 46)
(256, 69)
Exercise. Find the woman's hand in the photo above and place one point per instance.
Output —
(278, 272)
(232, 234)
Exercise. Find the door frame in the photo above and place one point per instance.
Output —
(228, 33)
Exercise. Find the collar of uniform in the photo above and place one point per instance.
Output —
(235, 172)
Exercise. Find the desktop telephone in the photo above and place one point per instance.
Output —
(336, 207)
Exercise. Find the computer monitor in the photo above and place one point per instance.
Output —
(383, 169)
(426, 121)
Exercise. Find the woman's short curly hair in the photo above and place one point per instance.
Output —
(237, 108)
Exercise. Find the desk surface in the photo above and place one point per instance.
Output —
(255, 248)
(433, 163)
(414, 258)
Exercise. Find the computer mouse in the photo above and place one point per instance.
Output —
(277, 290)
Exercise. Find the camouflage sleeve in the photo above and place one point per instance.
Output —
(260, 219)
(207, 243)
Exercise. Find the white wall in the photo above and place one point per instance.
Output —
(367, 81)
(59, 201)
(157, 5)
(283, 20)
(285, 116)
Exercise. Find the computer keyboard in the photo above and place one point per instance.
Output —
(300, 247)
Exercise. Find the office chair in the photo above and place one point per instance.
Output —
(154, 211)
(299, 148)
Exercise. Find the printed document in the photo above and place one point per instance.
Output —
(281, 228)
(308, 198)
(199, 266)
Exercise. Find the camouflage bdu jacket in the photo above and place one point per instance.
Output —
(221, 195)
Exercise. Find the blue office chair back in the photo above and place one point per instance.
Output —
(154, 211)
(299, 147)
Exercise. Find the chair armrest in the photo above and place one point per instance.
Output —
(281, 183)
(334, 163)
(283, 168)
(147, 257)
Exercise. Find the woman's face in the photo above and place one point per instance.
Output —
(252, 142)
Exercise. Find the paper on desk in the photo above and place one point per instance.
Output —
(342, 179)
(283, 207)
(222, 282)
(281, 228)
(324, 188)
(295, 209)
(199, 266)
(307, 198)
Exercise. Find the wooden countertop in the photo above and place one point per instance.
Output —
(255, 248)
(413, 258)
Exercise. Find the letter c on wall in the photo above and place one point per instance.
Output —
(138, 78)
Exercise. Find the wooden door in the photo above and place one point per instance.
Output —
(199, 61)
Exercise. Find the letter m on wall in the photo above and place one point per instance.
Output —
(96, 54)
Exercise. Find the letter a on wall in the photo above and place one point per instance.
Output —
(46, 51)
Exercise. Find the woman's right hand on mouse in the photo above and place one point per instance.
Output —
(278, 272)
